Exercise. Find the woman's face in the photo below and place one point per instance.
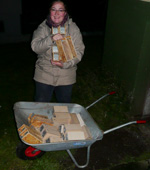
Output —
(57, 12)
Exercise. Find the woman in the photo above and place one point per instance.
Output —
(55, 76)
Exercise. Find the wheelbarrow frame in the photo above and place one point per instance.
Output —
(23, 109)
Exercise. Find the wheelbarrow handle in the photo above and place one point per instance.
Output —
(111, 93)
(141, 121)
(126, 124)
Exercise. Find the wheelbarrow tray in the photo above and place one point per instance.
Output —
(23, 109)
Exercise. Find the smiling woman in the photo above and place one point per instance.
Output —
(58, 13)
(54, 73)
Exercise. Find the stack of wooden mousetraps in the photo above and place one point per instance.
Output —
(64, 49)
(62, 126)
(29, 134)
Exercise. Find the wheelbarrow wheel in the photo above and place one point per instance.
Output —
(27, 152)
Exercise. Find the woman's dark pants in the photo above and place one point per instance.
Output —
(44, 93)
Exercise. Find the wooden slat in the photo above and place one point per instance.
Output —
(60, 50)
(67, 50)
(69, 39)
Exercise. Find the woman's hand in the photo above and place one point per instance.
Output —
(57, 63)
(57, 37)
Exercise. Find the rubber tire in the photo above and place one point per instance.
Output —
(24, 152)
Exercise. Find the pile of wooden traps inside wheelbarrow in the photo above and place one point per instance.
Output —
(62, 126)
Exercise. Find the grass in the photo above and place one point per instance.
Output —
(93, 81)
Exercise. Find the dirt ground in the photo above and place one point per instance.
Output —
(116, 148)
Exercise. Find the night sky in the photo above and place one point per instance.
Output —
(89, 16)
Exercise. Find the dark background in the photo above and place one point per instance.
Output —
(88, 15)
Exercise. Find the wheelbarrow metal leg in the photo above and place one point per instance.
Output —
(75, 162)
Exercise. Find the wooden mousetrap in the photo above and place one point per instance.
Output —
(66, 50)
(58, 30)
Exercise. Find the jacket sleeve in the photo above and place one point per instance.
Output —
(79, 46)
(41, 40)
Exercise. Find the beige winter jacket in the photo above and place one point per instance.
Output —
(42, 44)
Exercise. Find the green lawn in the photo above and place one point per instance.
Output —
(16, 84)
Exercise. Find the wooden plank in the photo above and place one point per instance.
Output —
(74, 132)
(66, 49)
(30, 135)
(30, 138)
(52, 139)
(49, 131)
(22, 128)
(56, 57)
(60, 51)
(59, 30)
(54, 49)
(70, 42)
(38, 121)
(76, 135)
(74, 118)
(55, 30)
(62, 30)
(61, 118)
(87, 132)
(80, 119)
(73, 127)
(32, 115)
(60, 109)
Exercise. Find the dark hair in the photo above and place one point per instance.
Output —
(54, 1)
